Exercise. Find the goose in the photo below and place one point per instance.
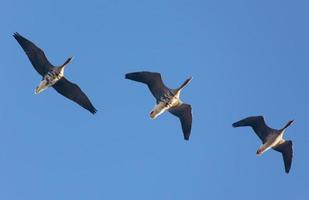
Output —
(271, 138)
(53, 76)
(167, 99)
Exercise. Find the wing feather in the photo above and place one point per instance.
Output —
(35, 55)
(153, 80)
(258, 124)
(184, 113)
(286, 148)
(74, 93)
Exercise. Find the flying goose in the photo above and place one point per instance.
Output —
(53, 76)
(271, 138)
(167, 99)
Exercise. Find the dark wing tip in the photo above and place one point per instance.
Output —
(131, 76)
(88, 105)
(134, 75)
(287, 169)
(16, 35)
(236, 124)
(93, 110)
(127, 76)
(20, 39)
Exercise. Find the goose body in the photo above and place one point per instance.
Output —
(49, 79)
(166, 99)
(271, 138)
(164, 104)
(53, 76)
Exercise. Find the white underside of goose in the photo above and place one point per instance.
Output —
(272, 140)
(50, 79)
(163, 106)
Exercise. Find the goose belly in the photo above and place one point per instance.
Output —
(158, 110)
(162, 106)
(274, 139)
(49, 80)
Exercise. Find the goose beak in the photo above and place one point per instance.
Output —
(259, 152)
(37, 90)
(152, 115)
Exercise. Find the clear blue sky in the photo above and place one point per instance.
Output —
(246, 58)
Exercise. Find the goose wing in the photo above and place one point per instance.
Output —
(258, 124)
(153, 81)
(74, 93)
(287, 153)
(184, 113)
(35, 55)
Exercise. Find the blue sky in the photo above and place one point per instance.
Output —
(246, 58)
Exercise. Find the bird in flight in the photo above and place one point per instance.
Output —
(53, 76)
(167, 99)
(271, 138)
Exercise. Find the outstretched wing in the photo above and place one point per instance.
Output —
(258, 124)
(184, 112)
(153, 80)
(35, 55)
(287, 153)
(73, 92)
